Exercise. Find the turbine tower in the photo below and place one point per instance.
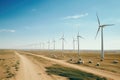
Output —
(74, 44)
(62, 38)
(101, 26)
(53, 44)
(78, 36)
(40, 45)
(43, 46)
(48, 45)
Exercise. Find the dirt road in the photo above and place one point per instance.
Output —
(31, 71)
(103, 73)
(27, 70)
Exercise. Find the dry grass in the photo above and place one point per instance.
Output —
(94, 56)
(9, 64)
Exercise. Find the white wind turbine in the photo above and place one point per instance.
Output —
(78, 36)
(43, 45)
(62, 38)
(101, 26)
(48, 45)
(74, 44)
(40, 45)
(54, 44)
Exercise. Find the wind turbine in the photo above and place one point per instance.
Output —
(43, 45)
(101, 26)
(54, 44)
(62, 38)
(78, 36)
(48, 45)
(74, 44)
(40, 45)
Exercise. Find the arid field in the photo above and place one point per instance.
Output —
(58, 65)
(9, 65)
(86, 56)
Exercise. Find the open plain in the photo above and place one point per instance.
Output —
(56, 65)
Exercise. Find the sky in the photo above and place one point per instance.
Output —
(28, 24)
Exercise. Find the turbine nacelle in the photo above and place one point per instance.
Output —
(54, 41)
(74, 40)
(78, 36)
(62, 38)
(48, 42)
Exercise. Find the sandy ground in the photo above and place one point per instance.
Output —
(107, 74)
(9, 65)
(31, 71)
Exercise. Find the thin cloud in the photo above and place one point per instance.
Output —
(76, 16)
(6, 30)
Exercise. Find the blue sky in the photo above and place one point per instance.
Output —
(27, 23)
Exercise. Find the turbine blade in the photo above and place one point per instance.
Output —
(81, 37)
(98, 19)
(48, 42)
(63, 36)
(60, 38)
(78, 34)
(97, 32)
(53, 40)
(108, 25)
(65, 40)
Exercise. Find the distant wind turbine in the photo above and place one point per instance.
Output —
(40, 45)
(54, 44)
(62, 38)
(100, 26)
(43, 45)
(74, 44)
(48, 45)
(78, 36)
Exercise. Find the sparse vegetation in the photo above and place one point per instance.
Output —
(9, 64)
(72, 74)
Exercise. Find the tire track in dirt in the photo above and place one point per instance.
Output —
(28, 70)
